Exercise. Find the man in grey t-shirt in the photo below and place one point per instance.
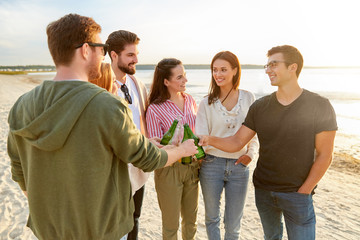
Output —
(291, 124)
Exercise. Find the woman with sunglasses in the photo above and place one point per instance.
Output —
(177, 185)
(221, 114)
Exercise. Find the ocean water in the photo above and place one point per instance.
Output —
(340, 85)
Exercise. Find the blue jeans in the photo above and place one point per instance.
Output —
(217, 173)
(124, 237)
(297, 209)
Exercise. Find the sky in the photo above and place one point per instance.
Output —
(325, 31)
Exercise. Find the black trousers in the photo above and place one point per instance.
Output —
(138, 201)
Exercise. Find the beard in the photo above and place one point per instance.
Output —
(127, 69)
(94, 72)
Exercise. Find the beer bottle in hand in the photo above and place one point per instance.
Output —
(188, 159)
(188, 134)
(170, 133)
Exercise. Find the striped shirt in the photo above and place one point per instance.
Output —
(159, 117)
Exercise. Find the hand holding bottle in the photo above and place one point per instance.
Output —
(156, 141)
(204, 140)
(188, 148)
(169, 135)
(185, 149)
(188, 134)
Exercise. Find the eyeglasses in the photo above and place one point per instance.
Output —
(125, 90)
(103, 45)
(273, 64)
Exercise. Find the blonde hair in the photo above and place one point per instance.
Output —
(105, 80)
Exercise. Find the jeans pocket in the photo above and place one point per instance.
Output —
(300, 198)
(241, 164)
(208, 159)
(302, 194)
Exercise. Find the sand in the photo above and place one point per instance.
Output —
(337, 198)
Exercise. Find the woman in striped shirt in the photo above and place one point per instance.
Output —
(177, 185)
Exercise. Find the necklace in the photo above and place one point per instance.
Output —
(226, 96)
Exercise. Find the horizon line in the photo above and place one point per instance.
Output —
(146, 65)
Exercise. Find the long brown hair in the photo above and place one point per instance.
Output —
(159, 92)
(214, 89)
(105, 81)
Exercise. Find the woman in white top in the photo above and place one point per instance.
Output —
(221, 114)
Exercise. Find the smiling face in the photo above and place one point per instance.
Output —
(223, 73)
(279, 74)
(127, 59)
(177, 81)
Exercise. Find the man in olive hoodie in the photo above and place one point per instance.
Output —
(70, 142)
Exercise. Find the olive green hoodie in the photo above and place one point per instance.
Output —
(69, 145)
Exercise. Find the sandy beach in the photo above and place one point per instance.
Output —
(337, 198)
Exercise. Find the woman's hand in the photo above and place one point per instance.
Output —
(204, 140)
(244, 159)
(188, 148)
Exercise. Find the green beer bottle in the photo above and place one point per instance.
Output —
(169, 134)
(188, 134)
(186, 160)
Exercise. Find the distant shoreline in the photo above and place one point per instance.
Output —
(14, 70)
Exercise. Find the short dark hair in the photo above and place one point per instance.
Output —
(158, 91)
(291, 55)
(214, 91)
(67, 33)
(119, 39)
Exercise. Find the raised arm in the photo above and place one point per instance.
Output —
(324, 145)
(229, 144)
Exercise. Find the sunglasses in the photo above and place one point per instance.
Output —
(125, 90)
(103, 45)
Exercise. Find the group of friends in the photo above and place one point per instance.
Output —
(82, 145)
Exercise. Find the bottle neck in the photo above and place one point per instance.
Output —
(173, 126)
(189, 131)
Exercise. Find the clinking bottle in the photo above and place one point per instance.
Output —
(188, 134)
(170, 133)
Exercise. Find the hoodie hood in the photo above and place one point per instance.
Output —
(45, 116)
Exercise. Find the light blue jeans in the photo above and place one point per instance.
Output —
(216, 174)
(297, 209)
(124, 237)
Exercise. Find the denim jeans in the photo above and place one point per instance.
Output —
(124, 237)
(216, 174)
(296, 208)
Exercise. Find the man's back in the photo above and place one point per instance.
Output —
(67, 149)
